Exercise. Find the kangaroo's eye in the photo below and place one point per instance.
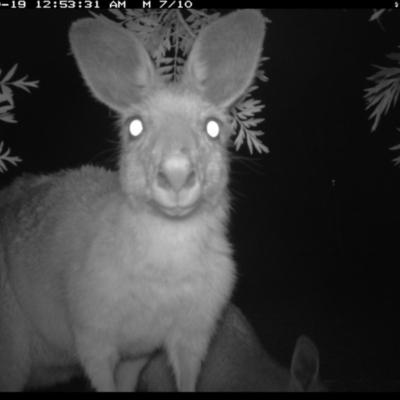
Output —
(212, 128)
(136, 127)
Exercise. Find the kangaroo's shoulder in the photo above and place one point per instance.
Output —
(30, 197)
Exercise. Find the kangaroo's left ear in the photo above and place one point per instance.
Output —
(225, 56)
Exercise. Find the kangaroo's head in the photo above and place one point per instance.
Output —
(174, 136)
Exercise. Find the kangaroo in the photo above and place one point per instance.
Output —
(98, 269)
(237, 362)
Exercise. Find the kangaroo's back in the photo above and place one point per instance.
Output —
(100, 269)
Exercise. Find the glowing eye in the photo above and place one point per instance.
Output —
(136, 127)
(212, 128)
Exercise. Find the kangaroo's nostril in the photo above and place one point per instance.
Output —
(162, 180)
(191, 180)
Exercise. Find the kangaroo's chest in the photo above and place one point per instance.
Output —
(144, 285)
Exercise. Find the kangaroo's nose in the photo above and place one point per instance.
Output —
(176, 173)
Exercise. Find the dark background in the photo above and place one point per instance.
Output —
(313, 258)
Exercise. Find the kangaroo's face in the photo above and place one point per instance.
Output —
(174, 158)
(174, 136)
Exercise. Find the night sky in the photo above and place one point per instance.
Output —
(312, 258)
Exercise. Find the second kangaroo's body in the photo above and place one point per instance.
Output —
(99, 269)
(237, 362)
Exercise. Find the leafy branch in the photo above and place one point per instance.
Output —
(7, 104)
(5, 157)
(168, 36)
(385, 92)
(6, 93)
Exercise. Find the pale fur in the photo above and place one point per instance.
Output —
(237, 362)
(99, 269)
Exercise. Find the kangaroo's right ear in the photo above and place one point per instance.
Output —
(113, 62)
(225, 56)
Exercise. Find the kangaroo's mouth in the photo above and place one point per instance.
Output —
(177, 211)
(176, 203)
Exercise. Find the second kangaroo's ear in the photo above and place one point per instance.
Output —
(305, 364)
(225, 56)
(113, 62)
